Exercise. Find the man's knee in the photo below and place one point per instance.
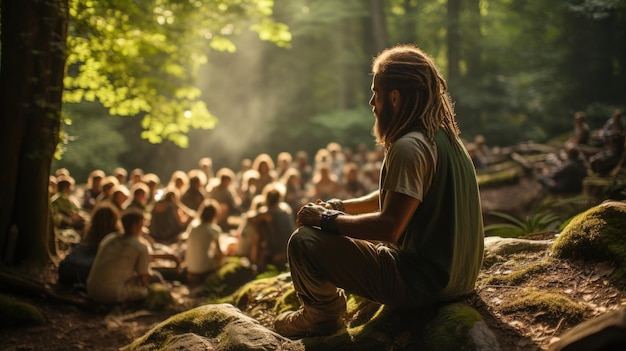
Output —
(303, 240)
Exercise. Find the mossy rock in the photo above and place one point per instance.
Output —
(371, 326)
(596, 235)
(159, 297)
(15, 313)
(455, 326)
(209, 327)
(232, 275)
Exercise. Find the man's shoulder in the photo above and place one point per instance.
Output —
(139, 244)
(411, 144)
(411, 137)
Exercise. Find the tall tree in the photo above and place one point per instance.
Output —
(453, 40)
(31, 80)
(471, 46)
(595, 38)
(378, 27)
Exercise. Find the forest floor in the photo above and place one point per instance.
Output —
(76, 327)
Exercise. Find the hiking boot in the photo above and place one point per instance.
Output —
(308, 321)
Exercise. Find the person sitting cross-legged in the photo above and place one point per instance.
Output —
(66, 211)
(74, 268)
(274, 222)
(121, 269)
(416, 242)
(203, 254)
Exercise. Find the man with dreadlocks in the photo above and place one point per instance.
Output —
(415, 242)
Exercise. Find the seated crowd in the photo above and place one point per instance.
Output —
(130, 226)
(586, 153)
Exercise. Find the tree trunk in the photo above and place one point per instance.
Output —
(31, 81)
(347, 58)
(472, 43)
(378, 27)
(409, 23)
(453, 40)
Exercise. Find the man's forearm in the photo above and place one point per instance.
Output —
(364, 204)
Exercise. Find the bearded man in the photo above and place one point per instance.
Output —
(415, 242)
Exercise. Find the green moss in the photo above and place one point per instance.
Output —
(240, 297)
(449, 330)
(520, 276)
(361, 310)
(596, 235)
(490, 259)
(499, 177)
(438, 328)
(288, 301)
(159, 297)
(199, 321)
(546, 305)
(246, 293)
(231, 276)
(15, 313)
(364, 334)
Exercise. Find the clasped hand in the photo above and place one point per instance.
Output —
(310, 214)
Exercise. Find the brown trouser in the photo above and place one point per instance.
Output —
(320, 263)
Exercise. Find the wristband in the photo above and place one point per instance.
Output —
(327, 222)
(336, 204)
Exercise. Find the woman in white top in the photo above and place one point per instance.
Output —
(203, 254)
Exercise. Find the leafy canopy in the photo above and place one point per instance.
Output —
(142, 57)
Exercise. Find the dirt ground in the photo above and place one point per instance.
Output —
(72, 327)
(535, 327)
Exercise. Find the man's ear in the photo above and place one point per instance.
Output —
(395, 97)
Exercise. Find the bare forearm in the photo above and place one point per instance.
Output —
(369, 226)
(364, 204)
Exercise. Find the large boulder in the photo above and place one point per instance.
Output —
(209, 327)
(596, 235)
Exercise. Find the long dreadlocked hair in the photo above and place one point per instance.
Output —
(425, 104)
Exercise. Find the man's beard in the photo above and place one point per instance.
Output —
(382, 125)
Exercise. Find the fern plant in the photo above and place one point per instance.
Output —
(541, 220)
(538, 222)
(544, 218)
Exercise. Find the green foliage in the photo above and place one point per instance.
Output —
(540, 221)
(92, 140)
(349, 126)
(545, 217)
(142, 58)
